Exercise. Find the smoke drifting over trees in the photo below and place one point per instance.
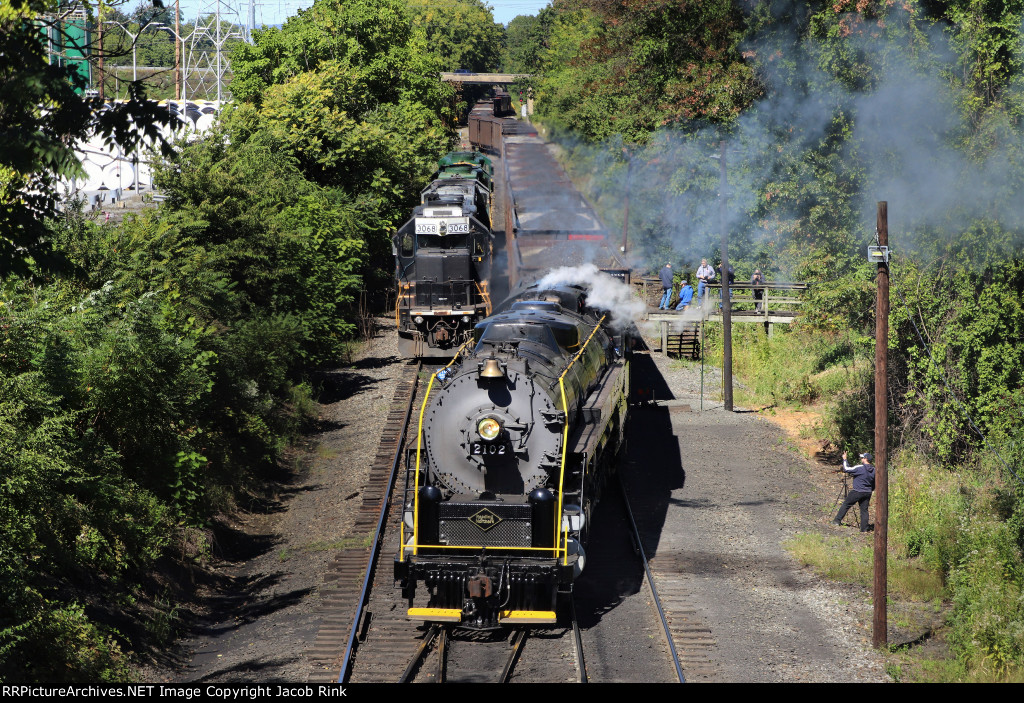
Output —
(853, 108)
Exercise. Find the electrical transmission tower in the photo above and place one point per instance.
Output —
(218, 25)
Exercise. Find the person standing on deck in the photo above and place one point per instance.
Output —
(757, 280)
(705, 275)
(666, 286)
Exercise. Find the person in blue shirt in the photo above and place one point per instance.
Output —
(666, 284)
(685, 295)
(863, 485)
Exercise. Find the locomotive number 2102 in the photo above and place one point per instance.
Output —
(486, 448)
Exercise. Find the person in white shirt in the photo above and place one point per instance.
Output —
(705, 275)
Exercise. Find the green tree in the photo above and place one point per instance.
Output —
(628, 68)
(526, 38)
(41, 119)
(349, 91)
(462, 33)
(370, 36)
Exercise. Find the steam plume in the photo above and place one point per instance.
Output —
(603, 291)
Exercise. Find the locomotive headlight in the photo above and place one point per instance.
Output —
(488, 428)
(418, 319)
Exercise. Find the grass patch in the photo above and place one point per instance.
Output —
(832, 557)
(952, 670)
(791, 368)
(325, 452)
(844, 559)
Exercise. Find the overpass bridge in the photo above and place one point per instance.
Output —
(468, 77)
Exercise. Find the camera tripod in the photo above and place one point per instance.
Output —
(844, 490)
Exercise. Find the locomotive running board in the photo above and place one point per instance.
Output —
(527, 617)
(435, 614)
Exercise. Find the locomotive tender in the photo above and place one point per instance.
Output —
(516, 438)
(443, 256)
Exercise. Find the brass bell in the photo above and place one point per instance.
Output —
(491, 369)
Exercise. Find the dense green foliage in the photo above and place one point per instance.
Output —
(463, 32)
(158, 375)
(628, 68)
(525, 41)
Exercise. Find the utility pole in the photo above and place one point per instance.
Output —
(625, 216)
(879, 623)
(177, 49)
(726, 295)
(103, 75)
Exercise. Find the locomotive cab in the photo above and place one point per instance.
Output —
(443, 259)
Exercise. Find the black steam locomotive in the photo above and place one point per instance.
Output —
(443, 258)
(516, 439)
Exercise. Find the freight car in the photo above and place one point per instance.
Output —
(443, 257)
(501, 104)
(486, 130)
(516, 439)
(546, 219)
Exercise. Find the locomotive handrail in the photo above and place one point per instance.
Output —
(485, 295)
(419, 445)
(565, 446)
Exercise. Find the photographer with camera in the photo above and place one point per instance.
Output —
(863, 484)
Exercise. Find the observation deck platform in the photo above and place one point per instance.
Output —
(682, 331)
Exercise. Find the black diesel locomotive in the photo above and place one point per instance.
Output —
(516, 438)
(443, 258)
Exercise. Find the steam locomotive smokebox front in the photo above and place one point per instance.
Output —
(518, 457)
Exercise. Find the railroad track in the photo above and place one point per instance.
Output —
(666, 622)
(687, 636)
(345, 618)
(438, 641)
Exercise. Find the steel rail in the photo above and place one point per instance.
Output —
(410, 670)
(442, 654)
(518, 639)
(650, 580)
(375, 547)
(578, 642)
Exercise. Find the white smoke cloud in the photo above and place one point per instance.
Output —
(603, 291)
